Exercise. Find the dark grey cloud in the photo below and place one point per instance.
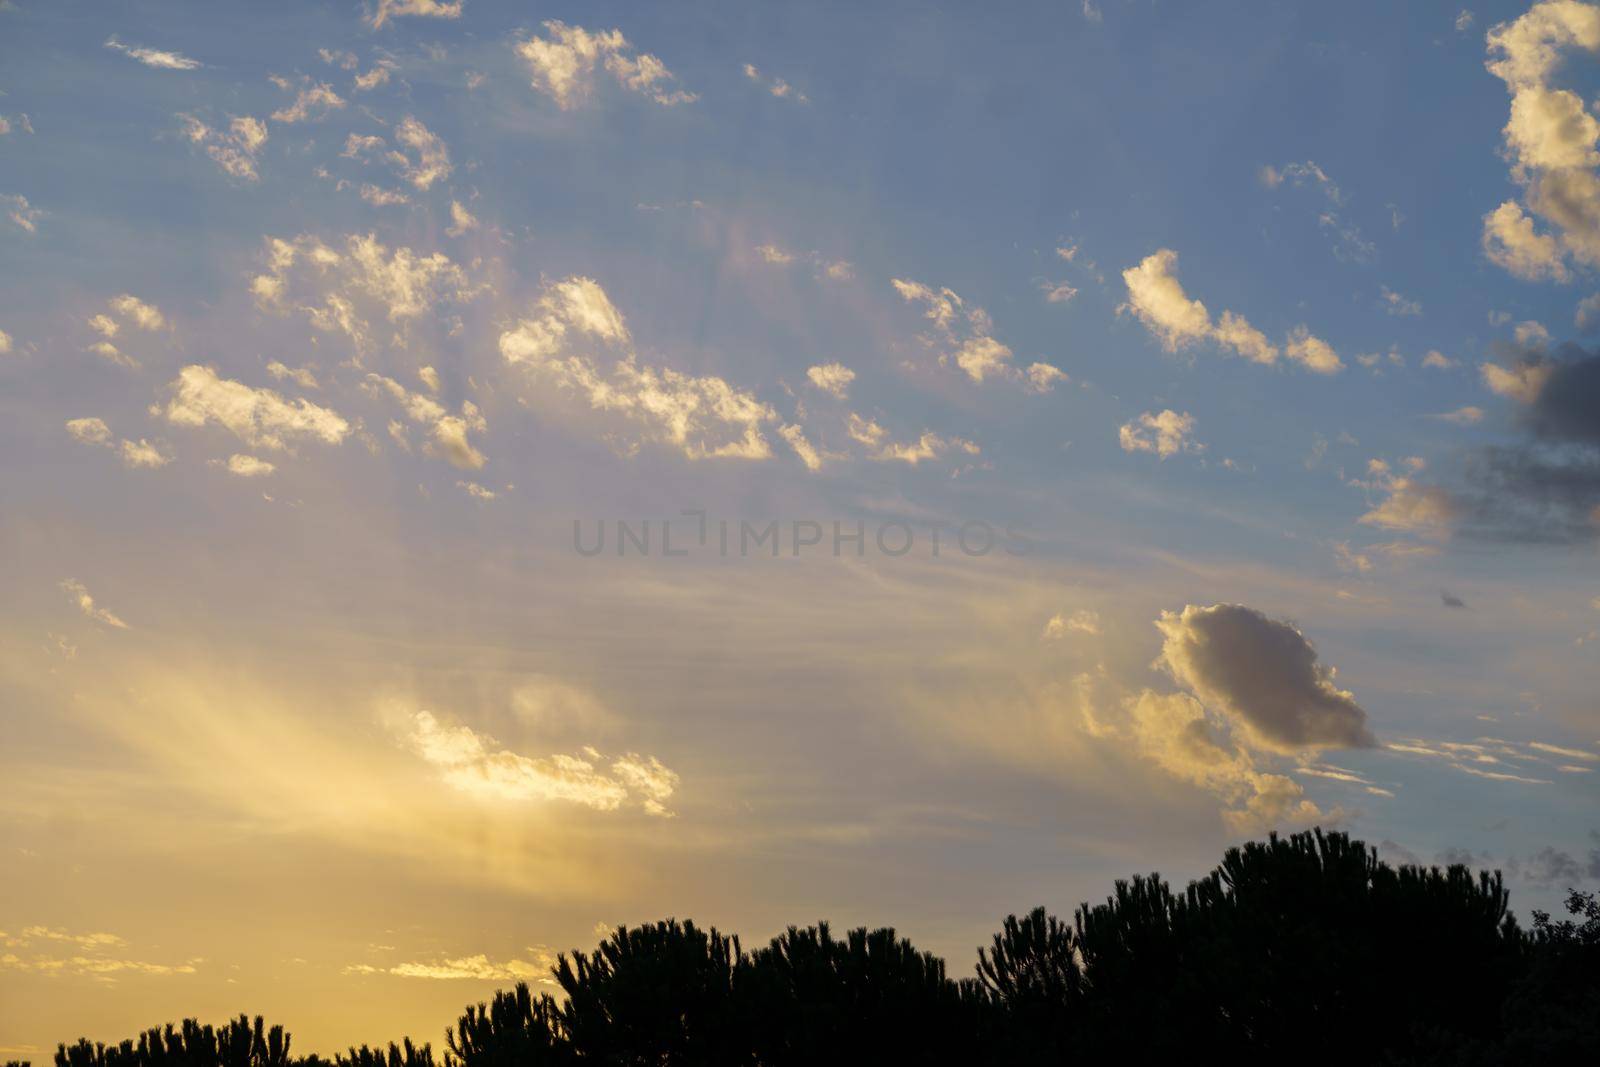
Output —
(1264, 674)
(1450, 600)
(1545, 487)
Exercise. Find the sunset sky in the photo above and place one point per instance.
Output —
(1239, 355)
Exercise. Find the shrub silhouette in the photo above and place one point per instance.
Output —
(1306, 948)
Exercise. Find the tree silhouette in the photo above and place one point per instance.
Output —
(1305, 948)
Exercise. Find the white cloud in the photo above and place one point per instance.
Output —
(1437, 360)
(5, 343)
(432, 162)
(325, 285)
(1042, 377)
(301, 376)
(461, 220)
(704, 416)
(476, 764)
(927, 447)
(80, 596)
(1082, 621)
(1057, 292)
(154, 57)
(1550, 139)
(234, 149)
(1312, 352)
(21, 213)
(1463, 21)
(259, 417)
(1409, 505)
(1522, 381)
(564, 65)
(143, 454)
(438, 9)
(1157, 299)
(1165, 434)
(1463, 416)
(962, 332)
(1396, 304)
(834, 378)
(249, 466)
(312, 100)
(90, 431)
(775, 86)
(145, 316)
(796, 438)
(476, 491)
(477, 968)
(449, 432)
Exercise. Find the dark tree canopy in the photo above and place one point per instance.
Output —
(1305, 949)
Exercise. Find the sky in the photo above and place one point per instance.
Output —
(476, 473)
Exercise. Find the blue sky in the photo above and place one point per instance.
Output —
(320, 330)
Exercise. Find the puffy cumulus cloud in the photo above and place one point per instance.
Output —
(154, 57)
(89, 431)
(142, 453)
(1312, 352)
(476, 764)
(5, 343)
(1043, 377)
(1177, 732)
(704, 416)
(962, 333)
(437, 9)
(249, 466)
(80, 596)
(448, 432)
(1165, 434)
(134, 454)
(20, 212)
(1082, 621)
(476, 491)
(429, 161)
(1157, 299)
(312, 100)
(1437, 360)
(1550, 141)
(832, 378)
(1264, 675)
(144, 316)
(329, 287)
(565, 63)
(775, 86)
(304, 377)
(233, 149)
(261, 418)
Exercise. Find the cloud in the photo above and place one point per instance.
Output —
(249, 466)
(449, 432)
(21, 213)
(1082, 621)
(461, 220)
(478, 765)
(306, 276)
(1395, 304)
(1451, 601)
(1042, 377)
(1180, 735)
(134, 454)
(5, 343)
(154, 57)
(312, 100)
(1166, 434)
(477, 968)
(234, 149)
(564, 66)
(301, 376)
(438, 9)
(1437, 360)
(1157, 299)
(832, 378)
(80, 596)
(1264, 675)
(1463, 416)
(1550, 141)
(476, 491)
(432, 162)
(90, 431)
(962, 333)
(143, 454)
(259, 417)
(929, 446)
(1348, 243)
(1409, 505)
(703, 416)
(775, 86)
